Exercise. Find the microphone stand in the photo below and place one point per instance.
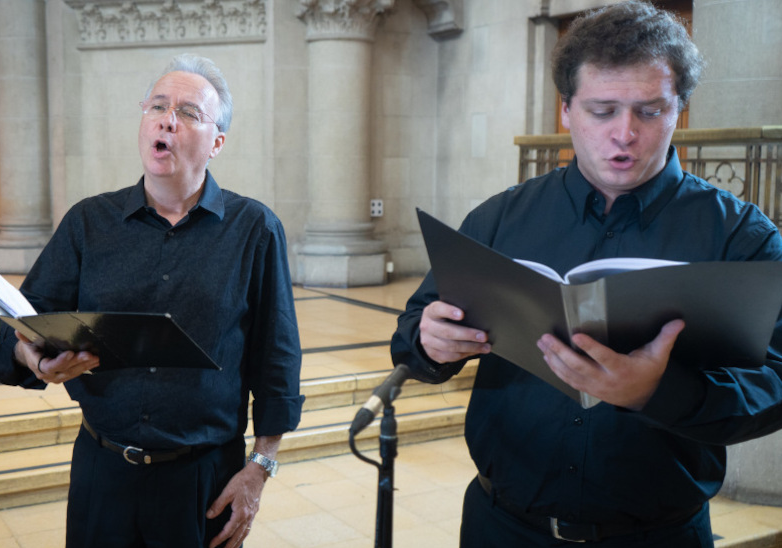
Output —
(384, 519)
(385, 480)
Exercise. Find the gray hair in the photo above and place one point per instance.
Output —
(188, 62)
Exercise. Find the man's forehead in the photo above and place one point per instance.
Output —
(655, 74)
(184, 85)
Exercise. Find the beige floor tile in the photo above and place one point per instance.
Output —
(361, 518)
(394, 295)
(263, 537)
(355, 543)
(425, 536)
(30, 520)
(314, 530)
(322, 323)
(43, 539)
(337, 494)
(431, 506)
(311, 472)
(284, 503)
(5, 531)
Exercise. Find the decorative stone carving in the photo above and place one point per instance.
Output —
(141, 23)
(343, 19)
(444, 17)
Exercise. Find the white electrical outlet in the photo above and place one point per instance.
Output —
(375, 208)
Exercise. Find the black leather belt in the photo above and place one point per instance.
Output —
(136, 455)
(579, 532)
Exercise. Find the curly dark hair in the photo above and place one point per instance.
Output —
(622, 35)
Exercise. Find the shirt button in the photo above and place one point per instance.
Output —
(165, 277)
(578, 421)
(609, 234)
(572, 469)
(171, 233)
(145, 418)
(153, 369)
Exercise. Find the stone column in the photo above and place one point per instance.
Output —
(25, 218)
(741, 87)
(338, 248)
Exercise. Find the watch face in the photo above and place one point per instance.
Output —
(273, 468)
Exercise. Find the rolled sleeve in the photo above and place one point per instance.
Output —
(275, 362)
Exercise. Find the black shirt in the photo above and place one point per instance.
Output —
(221, 272)
(543, 451)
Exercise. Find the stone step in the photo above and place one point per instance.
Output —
(28, 422)
(36, 438)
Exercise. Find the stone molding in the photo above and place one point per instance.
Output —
(343, 19)
(445, 17)
(106, 24)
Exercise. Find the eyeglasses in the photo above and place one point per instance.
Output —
(188, 114)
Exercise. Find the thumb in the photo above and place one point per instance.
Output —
(217, 507)
(663, 343)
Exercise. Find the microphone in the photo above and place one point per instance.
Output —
(384, 394)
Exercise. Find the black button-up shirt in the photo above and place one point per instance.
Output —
(541, 450)
(221, 273)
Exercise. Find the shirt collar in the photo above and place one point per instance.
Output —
(650, 196)
(211, 199)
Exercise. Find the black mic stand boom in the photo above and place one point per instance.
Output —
(386, 393)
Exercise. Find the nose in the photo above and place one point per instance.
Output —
(625, 131)
(169, 120)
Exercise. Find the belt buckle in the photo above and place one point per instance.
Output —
(130, 450)
(555, 531)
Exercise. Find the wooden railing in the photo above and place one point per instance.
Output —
(744, 161)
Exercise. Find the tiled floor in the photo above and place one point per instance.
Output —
(331, 502)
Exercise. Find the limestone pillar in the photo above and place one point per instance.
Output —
(741, 87)
(25, 222)
(338, 248)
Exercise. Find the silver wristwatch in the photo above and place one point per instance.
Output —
(271, 466)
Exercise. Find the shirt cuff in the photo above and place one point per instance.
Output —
(276, 416)
(680, 392)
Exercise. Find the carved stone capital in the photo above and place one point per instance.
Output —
(444, 17)
(343, 19)
(144, 23)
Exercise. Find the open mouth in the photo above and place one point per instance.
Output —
(622, 161)
(160, 146)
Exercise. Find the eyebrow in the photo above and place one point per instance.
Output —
(185, 103)
(609, 102)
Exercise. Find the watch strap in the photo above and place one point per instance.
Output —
(270, 465)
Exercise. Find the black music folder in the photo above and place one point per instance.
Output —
(120, 339)
(730, 308)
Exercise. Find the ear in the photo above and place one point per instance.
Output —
(218, 144)
(564, 115)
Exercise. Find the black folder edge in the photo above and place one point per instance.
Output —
(185, 344)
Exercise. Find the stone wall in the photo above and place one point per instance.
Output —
(448, 84)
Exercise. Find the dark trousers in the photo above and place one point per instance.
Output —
(486, 526)
(115, 504)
